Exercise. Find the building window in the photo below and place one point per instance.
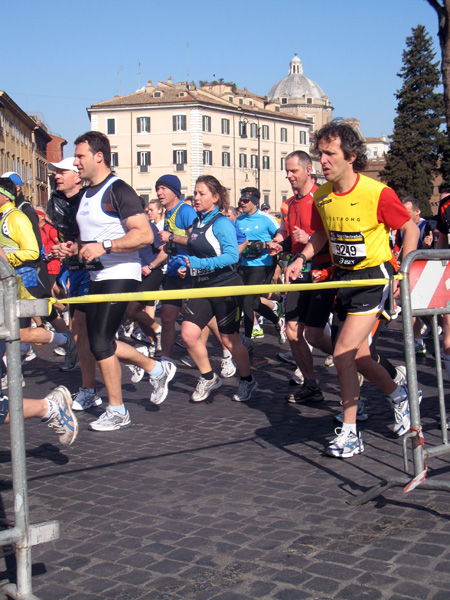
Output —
(266, 162)
(206, 123)
(254, 161)
(283, 163)
(143, 161)
(266, 199)
(230, 98)
(251, 102)
(226, 161)
(207, 157)
(157, 95)
(253, 130)
(145, 198)
(226, 126)
(110, 126)
(283, 100)
(179, 122)
(283, 134)
(114, 159)
(265, 132)
(143, 124)
(303, 137)
(179, 159)
(375, 152)
(308, 100)
(242, 161)
(241, 102)
(283, 198)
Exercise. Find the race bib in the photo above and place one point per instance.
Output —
(348, 248)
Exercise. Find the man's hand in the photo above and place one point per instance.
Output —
(293, 270)
(274, 248)
(90, 252)
(300, 235)
(427, 241)
(64, 250)
(164, 236)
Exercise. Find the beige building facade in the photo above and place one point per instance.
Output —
(214, 129)
(16, 143)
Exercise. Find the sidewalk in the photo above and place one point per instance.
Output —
(228, 501)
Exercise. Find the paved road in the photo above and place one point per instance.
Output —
(222, 501)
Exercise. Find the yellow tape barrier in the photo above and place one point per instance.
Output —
(218, 292)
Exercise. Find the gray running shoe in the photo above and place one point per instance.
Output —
(245, 390)
(286, 357)
(187, 361)
(161, 384)
(85, 399)
(62, 421)
(305, 394)
(361, 413)
(110, 421)
(71, 353)
(205, 387)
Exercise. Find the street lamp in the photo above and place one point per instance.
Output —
(243, 122)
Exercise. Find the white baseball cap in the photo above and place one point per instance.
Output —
(66, 164)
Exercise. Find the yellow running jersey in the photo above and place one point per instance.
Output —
(356, 237)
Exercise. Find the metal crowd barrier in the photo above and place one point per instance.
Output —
(22, 534)
(425, 291)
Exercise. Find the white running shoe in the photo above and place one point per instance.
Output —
(400, 378)
(281, 328)
(346, 444)
(205, 387)
(161, 384)
(137, 373)
(297, 378)
(110, 421)
(85, 399)
(227, 367)
(62, 421)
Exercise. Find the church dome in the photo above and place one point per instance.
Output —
(295, 85)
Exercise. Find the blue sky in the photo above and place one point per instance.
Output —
(60, 57)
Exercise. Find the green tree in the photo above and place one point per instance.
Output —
(418, 140)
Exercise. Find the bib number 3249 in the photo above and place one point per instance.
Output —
(348, 248)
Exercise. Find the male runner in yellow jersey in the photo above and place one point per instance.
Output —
(357, 214)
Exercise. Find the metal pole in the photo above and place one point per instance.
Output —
(17, 433)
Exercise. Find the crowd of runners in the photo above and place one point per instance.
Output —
(96, 237)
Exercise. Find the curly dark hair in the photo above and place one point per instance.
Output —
(351, 143)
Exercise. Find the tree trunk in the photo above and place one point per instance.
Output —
(443, 12)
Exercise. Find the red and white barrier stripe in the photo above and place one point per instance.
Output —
(430, 284)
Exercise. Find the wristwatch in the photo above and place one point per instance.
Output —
(107, 245)
(151, 267)
(302, 256)
(171, 236)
